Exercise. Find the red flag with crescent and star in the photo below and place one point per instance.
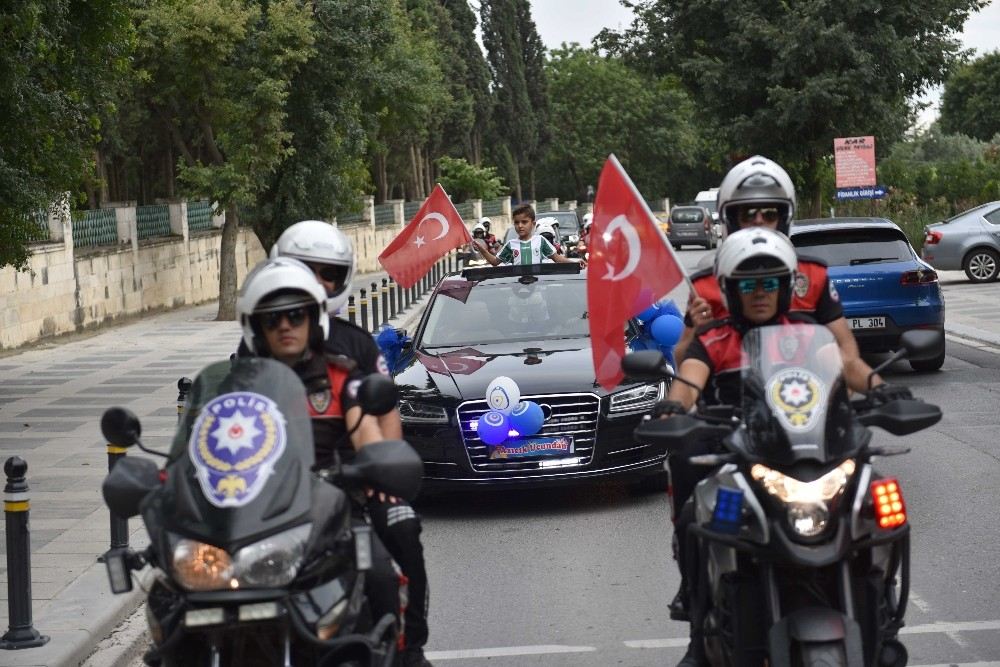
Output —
(631, 266)
(436, 229)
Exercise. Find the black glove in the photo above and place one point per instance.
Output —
(667, 408)
(886, 392)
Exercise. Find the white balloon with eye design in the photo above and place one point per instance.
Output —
(503, 395)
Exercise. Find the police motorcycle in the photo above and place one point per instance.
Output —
(256, 560)
(801, 548)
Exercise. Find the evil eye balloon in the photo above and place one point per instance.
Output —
(666, 330)
(502, 394)
(527, 418)
(649, 314)
(493, 427)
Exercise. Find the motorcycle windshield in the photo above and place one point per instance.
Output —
(242, 456)
(794, 400)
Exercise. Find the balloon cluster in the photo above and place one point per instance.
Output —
(665, 324)
(507, 411)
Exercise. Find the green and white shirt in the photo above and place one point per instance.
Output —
(532, 251)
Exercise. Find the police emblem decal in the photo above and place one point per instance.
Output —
(797, 397)
(801, 285)
(320, 400)
(234, 445)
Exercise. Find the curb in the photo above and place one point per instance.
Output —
(977, 336)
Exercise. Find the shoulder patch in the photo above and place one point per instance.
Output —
(352, 388)
(383, 367)
(801, 284)
(834, 294)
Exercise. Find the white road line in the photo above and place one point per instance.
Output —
(962, 664)
(965, 626)
(657, 643)
(504, 651)
(919, 602)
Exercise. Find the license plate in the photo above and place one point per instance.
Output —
(867, 322)
(533, 448)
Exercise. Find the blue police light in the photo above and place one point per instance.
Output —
(728, 513)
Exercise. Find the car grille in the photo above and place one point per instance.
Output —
(572, 414)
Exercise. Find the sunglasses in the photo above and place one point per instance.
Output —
(749, 285)
(295, 317)
(331, 274)
(749, 213)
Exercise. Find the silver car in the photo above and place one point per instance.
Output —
(970, 241)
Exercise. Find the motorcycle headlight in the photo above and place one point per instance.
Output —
(639, 398)
(809, 510)
(269, 563)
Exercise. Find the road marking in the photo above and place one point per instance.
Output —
(962, 664)
(966, 626)
(919, 602)
(505, 651)
(657, 643)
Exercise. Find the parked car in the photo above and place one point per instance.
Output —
(969, 241)
(884, 287)
(691, 225)
(528, 323)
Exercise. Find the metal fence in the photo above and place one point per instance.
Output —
(543, 207)
(493, 207)
(385, 215)
(410, 209)
(350, 219)
(199, 216)
(466, 210)
(95, 228)
(152, 221)
(655, 205)
(38, 227)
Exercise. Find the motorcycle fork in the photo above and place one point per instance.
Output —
(773, 594)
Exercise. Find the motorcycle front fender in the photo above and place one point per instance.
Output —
(814, 625)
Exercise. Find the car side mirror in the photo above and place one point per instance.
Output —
(377, 395)
(120, 427)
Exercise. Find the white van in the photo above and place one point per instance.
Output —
(709, 199)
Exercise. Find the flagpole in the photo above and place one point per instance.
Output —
(649, 214)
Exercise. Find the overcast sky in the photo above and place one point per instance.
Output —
(579, 20)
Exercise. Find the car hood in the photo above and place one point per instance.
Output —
(464, 373)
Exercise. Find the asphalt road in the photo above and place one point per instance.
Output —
(582, 576)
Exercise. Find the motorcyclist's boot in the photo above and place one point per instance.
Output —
(679, 605)
(691, 657)
(414, 657)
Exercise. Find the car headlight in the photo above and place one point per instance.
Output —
(643, 397)
(270, 563)
(573, 238)
(422, 413)
(808, 502)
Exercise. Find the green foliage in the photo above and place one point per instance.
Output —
(969, 102)
(784, 79)
(60, 60)
(466, 181)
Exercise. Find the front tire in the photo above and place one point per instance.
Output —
(981, 265)
(825, 654)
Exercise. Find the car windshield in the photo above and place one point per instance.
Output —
(682, 215)
(470, 313)
(850, 247)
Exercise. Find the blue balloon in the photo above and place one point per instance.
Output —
(649, 314)
(527, 418)
(670, 308)
(493, 427)
(666, 330)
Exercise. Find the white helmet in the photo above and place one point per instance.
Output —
(588, 218)
(280, 284)
(318, 242)
(546, 226)
(485, 222)
(755, 252)
(756, 181)
(478, 227)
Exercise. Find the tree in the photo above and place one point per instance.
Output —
(59, 61)
(785, 79)
(467, 181)
(969, 102)
(516, 57)
(218, 74)
(472, 78)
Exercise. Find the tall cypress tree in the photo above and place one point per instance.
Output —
(473, 79)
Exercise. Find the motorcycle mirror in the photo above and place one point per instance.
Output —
(121, 427)
(646, 365)
(902, 417)
(128, 483)
(377, 395)
(391, 466)
(921, 343)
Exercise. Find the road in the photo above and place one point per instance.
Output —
(583, 576)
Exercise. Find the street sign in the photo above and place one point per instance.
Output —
(874, 192)
(854, 162)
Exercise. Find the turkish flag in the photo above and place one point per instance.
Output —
(631, 266)
(434, 231)
(458, 362)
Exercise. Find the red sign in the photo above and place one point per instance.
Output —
(854, 159)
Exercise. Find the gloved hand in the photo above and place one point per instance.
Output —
(886, 392)
(668, 408)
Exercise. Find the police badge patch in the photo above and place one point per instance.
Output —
(797, 397)
(234, 445)
(320, 400)
(834, 294)
(801, 286)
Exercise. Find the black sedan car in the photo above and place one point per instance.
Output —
(528, 323)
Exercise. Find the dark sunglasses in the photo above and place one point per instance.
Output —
(331, 274)
(748, 285)
(749, 213)
(295, 317)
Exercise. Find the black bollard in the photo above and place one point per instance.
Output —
(385, 300)
(393, 290)
(119, 526)
(364, 310)
(352, 313)
(375, 300)
(183, 387)
(21, 633)
(399, 297)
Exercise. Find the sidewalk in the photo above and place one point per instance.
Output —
(972, 310)
(51, 400)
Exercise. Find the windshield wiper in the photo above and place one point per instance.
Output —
(871, 260)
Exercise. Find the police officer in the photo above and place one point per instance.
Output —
(328, 252)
